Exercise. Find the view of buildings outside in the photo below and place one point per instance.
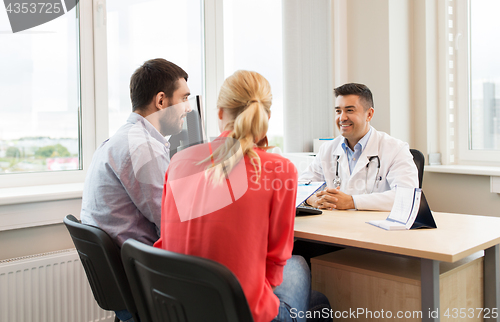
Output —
(485, 75)
(39, 98)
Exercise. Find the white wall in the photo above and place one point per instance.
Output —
(400, 73)
(461, 193)
(34, 240)
(368, 54)
(379, 56)
(42, 229)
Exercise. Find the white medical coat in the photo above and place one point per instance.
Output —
(369, 190)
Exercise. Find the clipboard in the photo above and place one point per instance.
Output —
(304, 191)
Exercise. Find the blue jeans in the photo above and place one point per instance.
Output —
(295, 293)
(124, 316)
(319, 307)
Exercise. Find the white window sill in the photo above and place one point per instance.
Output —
(10, 196)
(464, 169)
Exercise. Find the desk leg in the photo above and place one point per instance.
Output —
(492, 284)
(429, 283)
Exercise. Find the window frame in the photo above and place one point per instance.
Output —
(464, 99)
(214, 62)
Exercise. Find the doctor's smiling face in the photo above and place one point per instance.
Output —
(352, 117)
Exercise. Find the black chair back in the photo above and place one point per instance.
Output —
(174, 287)
(102, 262)
(419, 160)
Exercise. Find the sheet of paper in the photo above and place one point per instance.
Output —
(402, 205)
(387, 224)
(304, 191)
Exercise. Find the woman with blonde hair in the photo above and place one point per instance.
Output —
(232, 202)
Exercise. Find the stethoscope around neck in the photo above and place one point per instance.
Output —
(337, 181)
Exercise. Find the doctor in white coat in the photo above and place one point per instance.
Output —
(363, 166)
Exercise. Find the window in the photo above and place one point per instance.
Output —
(139, 30)
(257, 48)
(475, 42)
(484, 75)
(40, 97)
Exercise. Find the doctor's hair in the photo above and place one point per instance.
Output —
(247, 97)
(154, 76)
(361, 90)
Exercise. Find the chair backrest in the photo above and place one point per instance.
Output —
(419, 160)
(102, 262)
(174, 287)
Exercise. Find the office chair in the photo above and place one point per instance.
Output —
(101, 259)
(419, 160)
(173, 287)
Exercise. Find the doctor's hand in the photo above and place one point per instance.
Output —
(344, 201)
(331, 198)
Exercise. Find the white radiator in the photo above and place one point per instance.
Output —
(50, 287)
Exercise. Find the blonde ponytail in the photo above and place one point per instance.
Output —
(247, 97)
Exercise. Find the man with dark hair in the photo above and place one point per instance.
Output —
(363, 166)
(124, 184)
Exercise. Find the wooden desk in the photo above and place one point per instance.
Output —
(456, 237)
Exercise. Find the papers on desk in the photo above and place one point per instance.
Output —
(410, 210)
(306, 189)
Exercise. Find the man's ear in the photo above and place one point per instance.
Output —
(220, 113)
(371, 111)
(161, 101)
